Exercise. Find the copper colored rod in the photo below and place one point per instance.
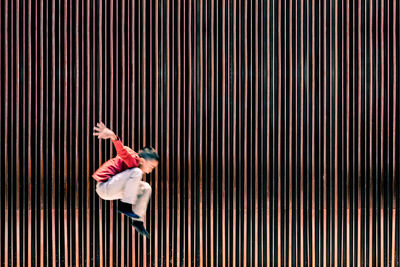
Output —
(212, 141)
(256, 112)
(395, 194)
(234, 137)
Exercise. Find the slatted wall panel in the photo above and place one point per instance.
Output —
(277, 123)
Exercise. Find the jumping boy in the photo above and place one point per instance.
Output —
(120, 178)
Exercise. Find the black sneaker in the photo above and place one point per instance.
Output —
(126, 208)
(139, 226)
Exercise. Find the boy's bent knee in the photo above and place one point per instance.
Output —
(134, 173)
(146, 187)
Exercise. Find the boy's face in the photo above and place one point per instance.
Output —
(148, 165)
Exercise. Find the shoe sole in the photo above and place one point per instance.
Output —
(133, 218)
(140, 232)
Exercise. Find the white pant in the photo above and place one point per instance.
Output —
(129, 187)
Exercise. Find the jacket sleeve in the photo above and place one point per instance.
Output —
(130, 160)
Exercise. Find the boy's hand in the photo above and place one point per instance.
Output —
(102, 132)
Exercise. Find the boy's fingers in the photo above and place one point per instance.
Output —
(96, 129)
(97, 134)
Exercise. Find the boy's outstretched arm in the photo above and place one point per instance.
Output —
(102, 132)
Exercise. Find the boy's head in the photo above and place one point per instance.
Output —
(148, 159)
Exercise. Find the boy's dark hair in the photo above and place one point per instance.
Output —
(149, 153)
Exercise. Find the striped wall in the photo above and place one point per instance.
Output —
(277, 123)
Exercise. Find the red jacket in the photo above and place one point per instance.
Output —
(126, 159)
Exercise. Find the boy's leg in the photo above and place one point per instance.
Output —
(140, 208)
(114, 187)
(143, 198)
(123, 186)
(132, 186)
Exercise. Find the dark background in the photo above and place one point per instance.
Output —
(277, 123)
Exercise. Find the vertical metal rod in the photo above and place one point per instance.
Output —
(395, 195)
(234, 148)
(212, 142)
(178, 136)
(245, 107)
(256, 141)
